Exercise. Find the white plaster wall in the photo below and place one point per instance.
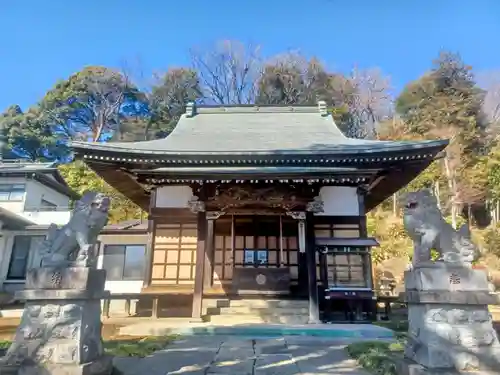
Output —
(47, 217)
(133, 286)
(33, 196)
(339, 201)
(15, 207)
(36, 191)
(173, 196)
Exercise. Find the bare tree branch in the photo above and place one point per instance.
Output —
(490, 82)
(291, 78)
(370, 101)
(228, 72)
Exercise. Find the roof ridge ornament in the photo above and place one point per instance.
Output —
(190, 109)
(323, 109)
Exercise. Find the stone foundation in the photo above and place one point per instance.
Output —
(450, 327)
(407, 367)
(60, 330)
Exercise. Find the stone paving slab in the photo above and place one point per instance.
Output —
(200, 342)
(236, 367)
(276, 364)
(214, 355)
(271, 346)
(235, 354)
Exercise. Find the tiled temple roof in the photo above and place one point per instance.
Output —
(258, 130)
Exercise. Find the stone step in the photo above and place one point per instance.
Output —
(233, 319)
(250, 310)
(255, 303)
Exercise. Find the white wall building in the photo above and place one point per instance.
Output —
(32, 196)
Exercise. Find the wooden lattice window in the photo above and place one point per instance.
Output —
(337, 231)
(346, 270)
(174, 255)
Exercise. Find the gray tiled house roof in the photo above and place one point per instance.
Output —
(45, 173)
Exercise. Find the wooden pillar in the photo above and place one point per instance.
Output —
(200, 265)
(363, 231)
(302, 288)
(209, 249)
(212, 216)
(362, 214)
(324, 302)
(301, 256)
(311, 269)
(148, 267)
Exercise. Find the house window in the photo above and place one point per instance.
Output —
(14, 192)
(256, 257)
(22, 254)
(124, 262)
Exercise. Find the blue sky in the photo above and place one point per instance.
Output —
(47, 40)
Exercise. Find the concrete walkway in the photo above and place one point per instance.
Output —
(332, 331)
(286, 355)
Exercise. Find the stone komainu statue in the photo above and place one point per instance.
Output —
(76, 239)
(426, 226)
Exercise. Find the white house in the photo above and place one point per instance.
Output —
(32, 196)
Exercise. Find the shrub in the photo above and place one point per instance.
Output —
(375, 356)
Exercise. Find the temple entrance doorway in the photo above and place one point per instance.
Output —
(257, 254)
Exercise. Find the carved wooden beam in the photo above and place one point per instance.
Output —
(196, 205)
(316, 205)
(214, 215)
(297, 215)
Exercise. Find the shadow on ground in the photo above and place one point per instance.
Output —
(238, 356)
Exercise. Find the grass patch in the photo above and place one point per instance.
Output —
(137, 347)
(4, 344)
(395, 325)
(128, 347)
(375, 356)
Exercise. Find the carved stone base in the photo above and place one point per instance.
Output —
(60, 330)
(407, 367)
(438, 276)
(447, 332)
(101, 366)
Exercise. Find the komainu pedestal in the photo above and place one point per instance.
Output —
(60, 330)
(450, 327)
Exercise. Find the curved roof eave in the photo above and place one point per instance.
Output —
(367, 147)
(217, 131)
